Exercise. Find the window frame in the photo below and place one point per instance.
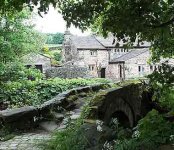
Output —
(93, 53)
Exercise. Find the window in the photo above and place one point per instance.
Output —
(91, 67)
(93, 52)
(141, 69)
(116, 50)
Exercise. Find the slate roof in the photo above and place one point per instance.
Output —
(129, 55)
(108, 42)
(86, 42)
(98, 42)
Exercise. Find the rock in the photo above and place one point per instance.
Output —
(62, 126)
(85, 89)
(75, 116)
(70, 113)
(96, 138)
(58, 116)
(18, 114)
(79, 103)
(92, 121)
(52, 104)
(97, 87)
(67, 93)
(77, 110)
(49, 126)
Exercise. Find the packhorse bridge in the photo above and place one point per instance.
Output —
(128, 104)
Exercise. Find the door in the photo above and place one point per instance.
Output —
(39, 67)
(120, 71)
(103, 72)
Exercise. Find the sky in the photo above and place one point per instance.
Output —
(53, 22)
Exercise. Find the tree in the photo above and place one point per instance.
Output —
(17, 36)
(56, 38)
(126, 19)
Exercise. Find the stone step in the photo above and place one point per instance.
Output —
(77, 110)
(62, 126)
(79, 103)
(75, 116)
(49, 126)
(58, 116)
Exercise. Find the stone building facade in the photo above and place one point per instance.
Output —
(105, 59)
(40, 61)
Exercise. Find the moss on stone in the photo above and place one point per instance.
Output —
(72, 98)
(82, 94)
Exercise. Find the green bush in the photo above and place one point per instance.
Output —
(27, 92)
(152, 131)
(57, 56)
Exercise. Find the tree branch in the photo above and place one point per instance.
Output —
(163, 24)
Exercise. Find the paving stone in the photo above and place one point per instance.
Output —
(30, 142)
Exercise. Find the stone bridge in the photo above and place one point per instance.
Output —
(128, 104)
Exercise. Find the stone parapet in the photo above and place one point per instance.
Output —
(29, 116)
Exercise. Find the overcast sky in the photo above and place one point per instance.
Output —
(53, 22)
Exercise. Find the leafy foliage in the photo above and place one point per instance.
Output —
(16, 71)
(27, 92)
(54, 38)
(57, 56)
(17, 36)
(146, 20)
(153, 130)
(70, 139)
(162, 83)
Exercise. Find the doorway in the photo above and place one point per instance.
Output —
(103, 70)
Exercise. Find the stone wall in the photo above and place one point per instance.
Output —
(98, 61)
(131, 100)
(112, 72)
(131, 66)
(67, 72)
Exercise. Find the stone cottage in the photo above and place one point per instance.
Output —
(40, 61)
(105, 59)
(130, 65)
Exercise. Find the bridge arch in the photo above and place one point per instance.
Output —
(122, 110)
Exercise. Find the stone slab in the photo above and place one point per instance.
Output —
(16, 114)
